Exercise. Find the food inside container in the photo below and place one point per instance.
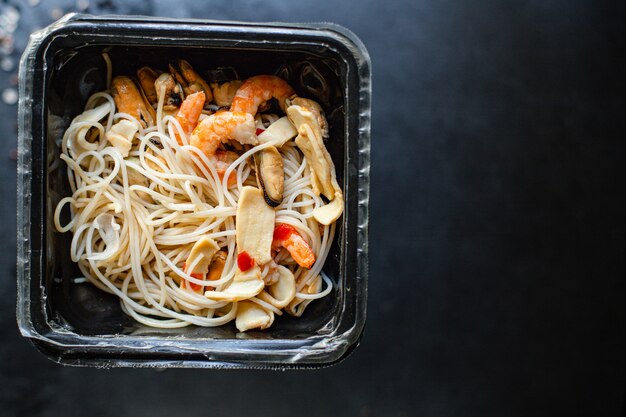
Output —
(68, 95)
(200, 204)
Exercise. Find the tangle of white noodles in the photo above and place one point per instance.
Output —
(181, 200)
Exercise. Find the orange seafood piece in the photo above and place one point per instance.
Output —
(257, 90)
(223, 159)
(130, 100)
(221, 127)
(288, 237)
(189, 113)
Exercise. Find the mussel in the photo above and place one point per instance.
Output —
(189, 79)
(166, 85)
(147, 76)
(270, 174)
(130, 99)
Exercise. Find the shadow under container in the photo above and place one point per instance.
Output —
(75, 323)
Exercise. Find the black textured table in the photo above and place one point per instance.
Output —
(496, 235)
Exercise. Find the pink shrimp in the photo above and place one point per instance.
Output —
(257, 90)
(287, 236)
(222, 126)
(190, 112)
(238, 123)
(223, 159)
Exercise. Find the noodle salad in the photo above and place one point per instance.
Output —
(196, 207)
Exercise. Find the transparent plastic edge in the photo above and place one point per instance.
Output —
(363, 65)
(24, 173)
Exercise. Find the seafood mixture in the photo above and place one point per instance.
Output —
(195, 204)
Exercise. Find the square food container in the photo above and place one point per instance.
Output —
(74, 323)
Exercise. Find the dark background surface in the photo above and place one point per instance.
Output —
(496, 232)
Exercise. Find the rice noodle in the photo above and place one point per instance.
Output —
(156, 223)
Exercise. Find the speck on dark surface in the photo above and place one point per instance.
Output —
(496, 235)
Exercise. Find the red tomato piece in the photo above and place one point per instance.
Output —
(244, 261)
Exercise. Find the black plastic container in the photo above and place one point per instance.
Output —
(75, 323)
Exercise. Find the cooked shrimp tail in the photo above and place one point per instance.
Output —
(223, 159)
(257, 90)
(223, 126)
(287, 236)
(190, 112)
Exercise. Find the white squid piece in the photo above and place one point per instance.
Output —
(282, 292)
(252, 316)
(323, 177)
(121, 136)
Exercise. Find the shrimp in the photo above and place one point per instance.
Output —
(257, 90)
(221, 127)
(223, 159)
(287, 236)
(129, 99)
(190, 112)
(238, 124)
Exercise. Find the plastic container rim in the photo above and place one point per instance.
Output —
(91, 350)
